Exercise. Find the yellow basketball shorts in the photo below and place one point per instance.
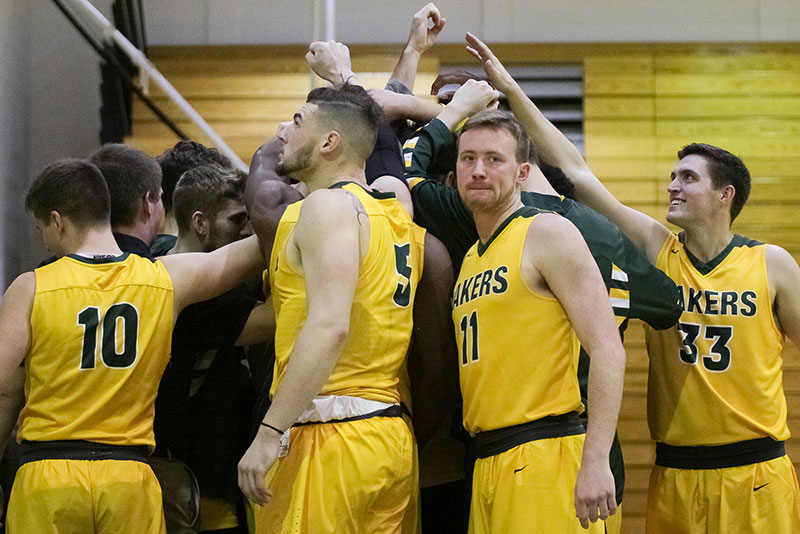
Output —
(756, 498)
(529, 488)
(100, 496)
(412, 521)
(353, 477)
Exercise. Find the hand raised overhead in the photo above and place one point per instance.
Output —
(330, 61)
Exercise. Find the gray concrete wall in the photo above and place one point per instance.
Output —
(368, 21)
(49, 109)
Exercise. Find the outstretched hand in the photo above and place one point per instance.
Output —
(495, 71)
(330, 61)
(474, 96)
(421, 38)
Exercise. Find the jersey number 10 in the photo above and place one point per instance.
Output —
(121, 314)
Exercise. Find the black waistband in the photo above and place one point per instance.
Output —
(395, 410)
(497, 441)
(719, 456)
(33, 451)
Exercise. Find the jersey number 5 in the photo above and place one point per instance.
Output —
(119, 315)
(402, 294)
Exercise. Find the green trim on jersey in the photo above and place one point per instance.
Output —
(98, 260)
(706, 267)
(379, 195)
(524, 211)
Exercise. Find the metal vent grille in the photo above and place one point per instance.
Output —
(556, 89)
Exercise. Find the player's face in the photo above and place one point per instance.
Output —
(297, 143)
(487, 171)
(230, 224)
(692, 197)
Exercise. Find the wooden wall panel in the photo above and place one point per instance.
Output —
(745, 102)
(245, 92)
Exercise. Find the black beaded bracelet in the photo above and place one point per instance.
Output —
(272, 427)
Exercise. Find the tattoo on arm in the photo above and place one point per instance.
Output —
(359, 208)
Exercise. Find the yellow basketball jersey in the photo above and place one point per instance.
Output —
(518, 351)
(100, 340)
(381, 318)
(716, 378)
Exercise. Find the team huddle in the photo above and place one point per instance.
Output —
(389, 249)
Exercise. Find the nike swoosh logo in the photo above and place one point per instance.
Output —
(520, 469)
(761, 486)
(675, 251)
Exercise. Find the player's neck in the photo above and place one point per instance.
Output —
(488, 221)
(185, 244)
(537, 183)
(94, 242)
(334, 172)
(706, 243)
(170, 226)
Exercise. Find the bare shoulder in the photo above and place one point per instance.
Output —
(17, 303)
(328, 201)
(551, 228)
(329, 206)
(779, 257)
(23, 287)
(781, 267)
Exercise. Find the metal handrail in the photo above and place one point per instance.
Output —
(147, 71)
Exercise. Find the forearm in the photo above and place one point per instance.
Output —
(432, 139)
(414, 108)
(606, 374)
(11, 402)
(553, 147)
(311, 363)
(405, 71)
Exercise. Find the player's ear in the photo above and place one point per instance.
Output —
(523, 171)
(333, 141)
(199, 223)
(727, 193)
(55, 218)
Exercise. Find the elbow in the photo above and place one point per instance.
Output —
(335, 331)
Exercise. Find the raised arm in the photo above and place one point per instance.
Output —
(267, 194)
(327, 240)
(420, 39)
(403, 106)
(554, 148)
(556, 258)
(331, 61)
(200, 276)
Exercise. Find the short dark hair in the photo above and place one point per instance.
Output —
(558, 180)
(206, 188)
(129, 174)
(724, 168)
(74, 188)
(496, 119)
(183, 156)
(352, 112)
